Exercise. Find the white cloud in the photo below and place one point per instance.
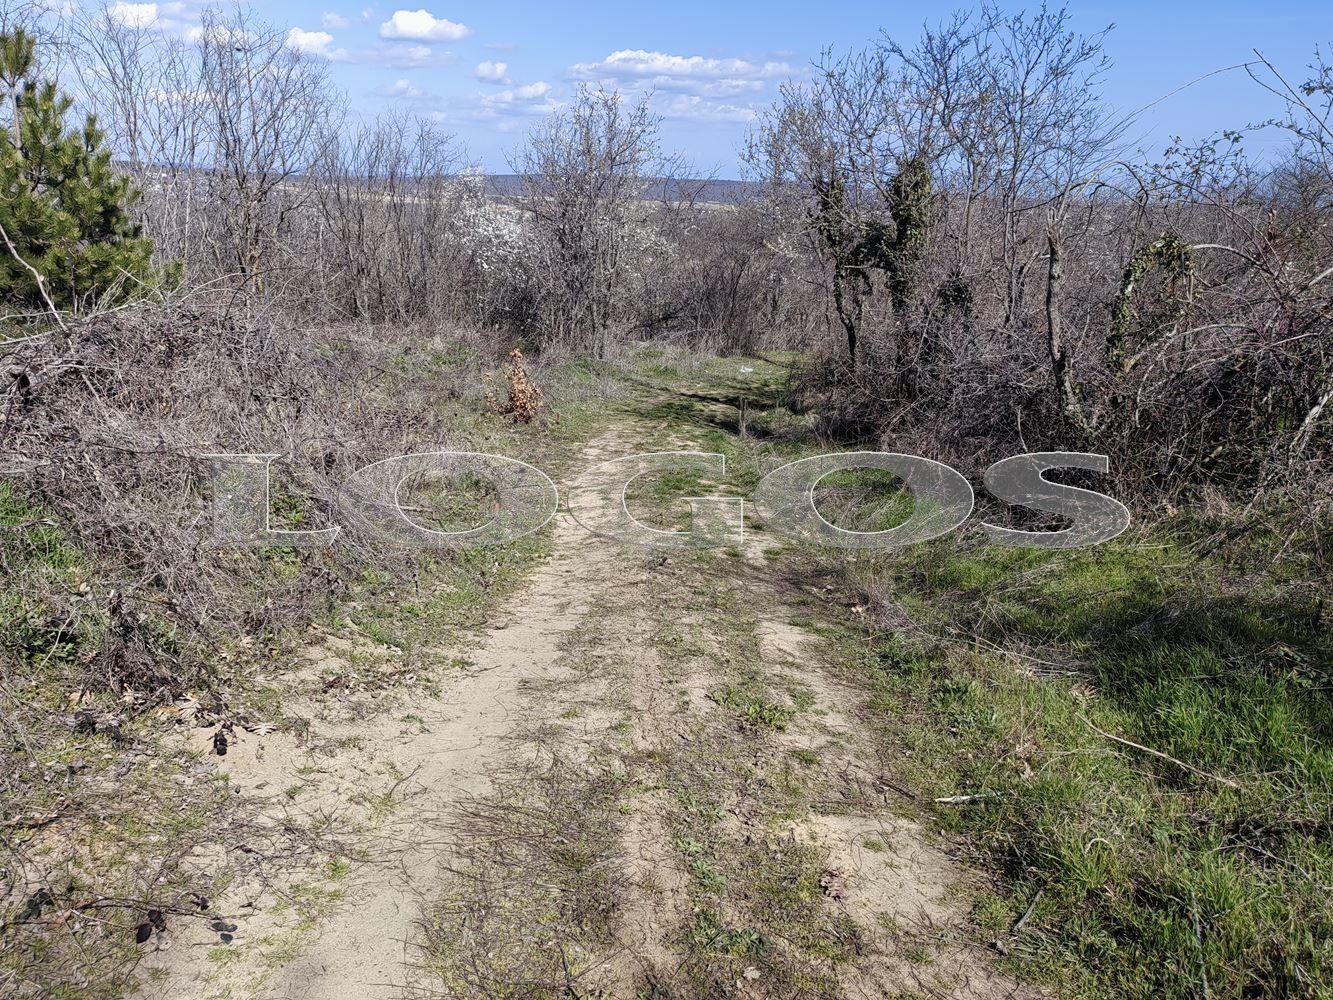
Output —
(696, 88)
(422, 26)
(162, 17)
(331, 20)
(314, 43)
(407, 89)
(408, 56)
(701, 88)
(502, 108)
(530, 99)
(396, 55)
(529, 91)
(693, 108)
(628, 63)
(217, 34)
(134, 15)
(492, 72)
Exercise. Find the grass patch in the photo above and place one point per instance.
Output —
(1204, 872)
(753, 708)
(1156, 879)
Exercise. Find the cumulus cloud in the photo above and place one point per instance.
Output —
(314, 43)
(696, 88)
(331, 20)
(529, 99)
(422, 26)
(503, 109)
(405, 88)
(141, 15)
(492, 72)
(531, 91)
(631, 63)
(694, 108)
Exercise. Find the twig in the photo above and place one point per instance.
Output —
(24, 525)
(904, 792)
(960, 800)
(1157, 753)
(11, 342)
(1027, 914)
(37, 276)
(1198, 941)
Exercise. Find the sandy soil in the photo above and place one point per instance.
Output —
(402, 783)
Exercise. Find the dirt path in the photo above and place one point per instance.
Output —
(445, 754)
(364, 952)
(645, 781)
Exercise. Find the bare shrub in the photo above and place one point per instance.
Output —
(1174, 315)
(586, 173)
(388, 247)
(106, 431)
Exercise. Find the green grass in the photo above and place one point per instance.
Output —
(753, 707)
(38, 564)
(1156, 879)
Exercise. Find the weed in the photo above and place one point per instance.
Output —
(754, 709)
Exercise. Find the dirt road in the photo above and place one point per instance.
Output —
(643, 779)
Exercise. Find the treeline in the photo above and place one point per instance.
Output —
(953, 228)
(1004, 273)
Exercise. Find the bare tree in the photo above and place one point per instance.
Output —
(586, 173)
(388, 196)
(231, 120)
(267, 112)
(144, 86)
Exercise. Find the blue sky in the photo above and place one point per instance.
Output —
(486, 71)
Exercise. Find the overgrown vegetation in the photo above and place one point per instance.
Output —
(1134, 737)
(942, 248)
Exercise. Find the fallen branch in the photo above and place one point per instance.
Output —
(24, 525)
(1162, 756)
(960, 800)
(37, 277)
(1027, 914)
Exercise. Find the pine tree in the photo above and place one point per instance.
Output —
(63, 206)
